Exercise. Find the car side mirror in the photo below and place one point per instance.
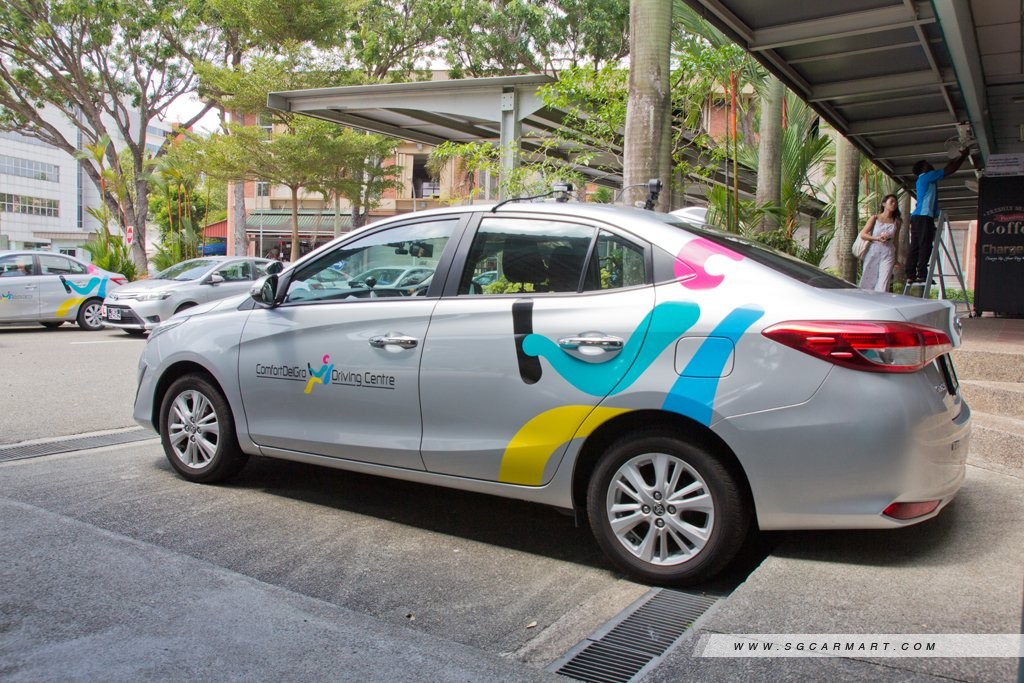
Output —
(274, 268)
(264, 291)
(214, 279)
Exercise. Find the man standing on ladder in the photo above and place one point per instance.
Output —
(922, 218)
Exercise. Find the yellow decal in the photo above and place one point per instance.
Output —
(68, 305)
(536, 441)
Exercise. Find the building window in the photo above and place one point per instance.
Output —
(266, 122)
(262, 189)
(33, 206)
(27, 168)
(68, 251)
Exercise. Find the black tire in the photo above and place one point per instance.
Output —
(52, 324)
(133, 332)
(677, 539)
(89, 315)
(198, 431)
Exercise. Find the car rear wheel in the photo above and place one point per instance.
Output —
(89, 315)
(666, 511)
(198, 431)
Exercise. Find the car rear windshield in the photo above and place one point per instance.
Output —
(755, 251)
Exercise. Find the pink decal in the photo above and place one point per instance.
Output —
(690, 262)
(91, 268)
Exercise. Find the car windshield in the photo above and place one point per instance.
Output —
(776, 260)
(186, 270)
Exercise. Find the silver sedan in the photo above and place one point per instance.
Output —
(144, 304)
(678, 387)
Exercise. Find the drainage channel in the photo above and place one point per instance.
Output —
(637, 639)
(75, 443)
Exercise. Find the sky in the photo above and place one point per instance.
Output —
(185, 107)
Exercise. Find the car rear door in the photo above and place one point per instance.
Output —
(511, 370)
(64, 284)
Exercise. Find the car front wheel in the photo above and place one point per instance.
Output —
(89, 315)
(666, 511)
(198, 431)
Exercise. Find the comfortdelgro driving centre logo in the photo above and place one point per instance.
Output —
(326, 373)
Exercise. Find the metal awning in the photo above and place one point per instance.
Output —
(896, 76)
(499, 109)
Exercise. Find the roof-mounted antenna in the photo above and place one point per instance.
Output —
(562, 191)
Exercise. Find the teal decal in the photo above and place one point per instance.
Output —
(667, 322)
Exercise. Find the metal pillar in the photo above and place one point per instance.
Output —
(511, 130)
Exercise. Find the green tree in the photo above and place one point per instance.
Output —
(292, 160)
(351, 167)
(109, 69)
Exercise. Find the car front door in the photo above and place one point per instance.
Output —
(19, 288)
(512, 369)
(334, 369)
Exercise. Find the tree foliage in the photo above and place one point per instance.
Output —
(109, 69)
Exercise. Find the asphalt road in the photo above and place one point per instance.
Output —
(65, 381)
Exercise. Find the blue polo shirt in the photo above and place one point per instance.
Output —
(928, 193)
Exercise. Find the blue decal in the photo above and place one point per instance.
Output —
(694, 396)
(667, 322)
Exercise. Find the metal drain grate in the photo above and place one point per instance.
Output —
(636, 639)
(78, 443)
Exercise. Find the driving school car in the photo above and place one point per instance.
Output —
(678, 386)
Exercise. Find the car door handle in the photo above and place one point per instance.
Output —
(392, 339)
(602, 342)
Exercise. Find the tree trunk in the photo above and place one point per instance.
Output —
(238, 199)
(847, 223)
(648, 134)
(295, 224)
(769, 152)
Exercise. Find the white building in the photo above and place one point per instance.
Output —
(44, 193)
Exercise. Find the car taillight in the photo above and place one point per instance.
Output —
(875, 346)
(119, 280)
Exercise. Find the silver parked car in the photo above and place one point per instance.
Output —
(51, 289)
(144, 304)
(678, 386)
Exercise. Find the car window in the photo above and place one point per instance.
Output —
(52, 264)
(512, 255)
(186, 270)
(616, 263)
(235, 272)
(16, 265)
(387, 263)
(781, 263)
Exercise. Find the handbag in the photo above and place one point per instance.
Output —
(860, 245)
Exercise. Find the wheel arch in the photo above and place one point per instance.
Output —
(173, 373)
(658, 422)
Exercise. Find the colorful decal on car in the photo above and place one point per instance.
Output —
(691, 260)
(5, 297)
(99, 284)
(659, 328)
(529, 451)
(693, 393)
(321, 376)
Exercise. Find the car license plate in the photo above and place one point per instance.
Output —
(113, 313)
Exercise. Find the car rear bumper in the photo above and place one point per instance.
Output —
(896, 440)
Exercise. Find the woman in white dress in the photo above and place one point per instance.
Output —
(881, 233)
